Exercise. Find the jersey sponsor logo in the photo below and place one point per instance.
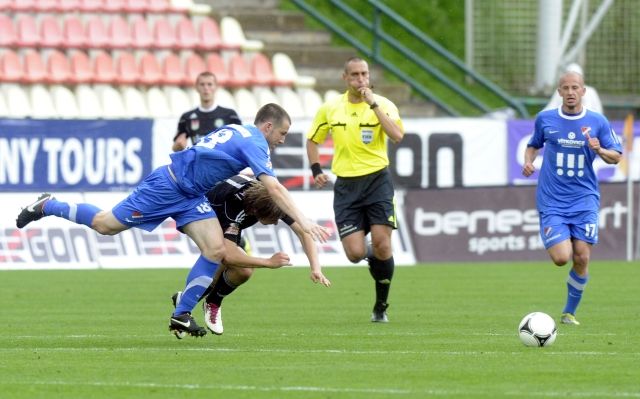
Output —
(233, 229)
(194, 122)
(571, 142)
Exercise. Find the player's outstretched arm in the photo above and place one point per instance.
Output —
(310, 249)
(235, 256)
(283, 199)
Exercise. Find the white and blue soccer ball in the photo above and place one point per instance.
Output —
(537, 329)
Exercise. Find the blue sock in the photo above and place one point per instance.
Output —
(77, 213)
(575, 287)
(199, 278)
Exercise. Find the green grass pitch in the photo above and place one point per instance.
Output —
(452, 334)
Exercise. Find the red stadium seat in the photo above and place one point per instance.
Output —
(97, 34)
(127, 69)
(24, 5)
(140, 34)
(209, 35)
(239, 74)
(46, 6)
(215, 65)
(58, 68)
(149, 69)
(89, 5)
(261, 71)
(103, 68)
(8, 36)
(74, 35)
(193, 66)
(172, 72)
(186, 35)
(158, 6)
(113, 5)
(163, 34)
(50, 32)
(68, 6)
(34, 67)
(27, 31)
(136, 6)
(119, 32)
(11, 69)
(81, 70)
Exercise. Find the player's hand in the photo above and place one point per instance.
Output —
(594, 143)
(321, 180)
(528, 169)
(317, 232)
(279, 259)
(318, 277)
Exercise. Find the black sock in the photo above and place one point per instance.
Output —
(220, 289)
(382, 273)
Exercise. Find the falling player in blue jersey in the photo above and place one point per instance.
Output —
(178, 190)
(568, 197)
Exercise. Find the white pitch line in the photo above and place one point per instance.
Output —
(372, 391)
(544, 351)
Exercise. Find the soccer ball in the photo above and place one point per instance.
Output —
(537, 329)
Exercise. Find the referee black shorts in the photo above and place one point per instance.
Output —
(362, 201)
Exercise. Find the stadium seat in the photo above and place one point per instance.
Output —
(38, 94)
(233, 37)
(90, 6)
(215, 65)
(193, 66)
(208, 35)
(103, 68)
(11, 69)
(111, 100)
(261, 71)
(88, 102)
(97, 34)
(149, 69)
(157, 104)
(35, 70)
(178, 100)
(239, 74)
(172, 71)
(290, 101)
(64, 102)
(141, 36)
(119, 33)
(19, 106)
(27, 31)
(4, 110)
(81, 69)
(286, 74)
(134, 103)
(186, 35)
(135, 6)
(158, 6)
(74, 34)
(164, 36)
(51, 34)
(246, 104)
(113, 6)
(264, 96)
(311, 101)
(8, 35)
(69, 6)
(126, 69)
(58, 68)
(330, 94)
(24, 5)
(46, 6)
(224, 98)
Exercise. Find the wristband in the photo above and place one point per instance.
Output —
(316, 169)
(374, 105)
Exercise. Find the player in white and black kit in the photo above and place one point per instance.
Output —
(204, 119)
(240, 202)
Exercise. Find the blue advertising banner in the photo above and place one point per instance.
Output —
(74, 155)
(519, 133)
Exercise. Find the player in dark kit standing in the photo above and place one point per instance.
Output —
(360, 123)
(209, 116)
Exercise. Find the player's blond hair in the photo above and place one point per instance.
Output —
(258, 202)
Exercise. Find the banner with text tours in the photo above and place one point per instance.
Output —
(74, 155)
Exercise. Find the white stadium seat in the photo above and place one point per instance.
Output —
(134, 102)
(233, 36)
(264, 96)
(311, 101)
(246, 104)
(65, 102)
(19, 106)
(157, 104)
(285, 72)
(179, 101)
(112, 104)
(224, 98)
(290, 101)
(4, 111)
(88, 102)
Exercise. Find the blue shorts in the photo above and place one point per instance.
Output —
(582, 226)
(157, 198)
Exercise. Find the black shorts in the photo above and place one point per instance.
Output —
(362, 201)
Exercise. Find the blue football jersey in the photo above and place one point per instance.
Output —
(567, 181)
(220, 155)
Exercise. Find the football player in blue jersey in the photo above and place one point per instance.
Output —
(568, 197)
(178, 190)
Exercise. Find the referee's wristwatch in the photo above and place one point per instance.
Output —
(373, 105)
